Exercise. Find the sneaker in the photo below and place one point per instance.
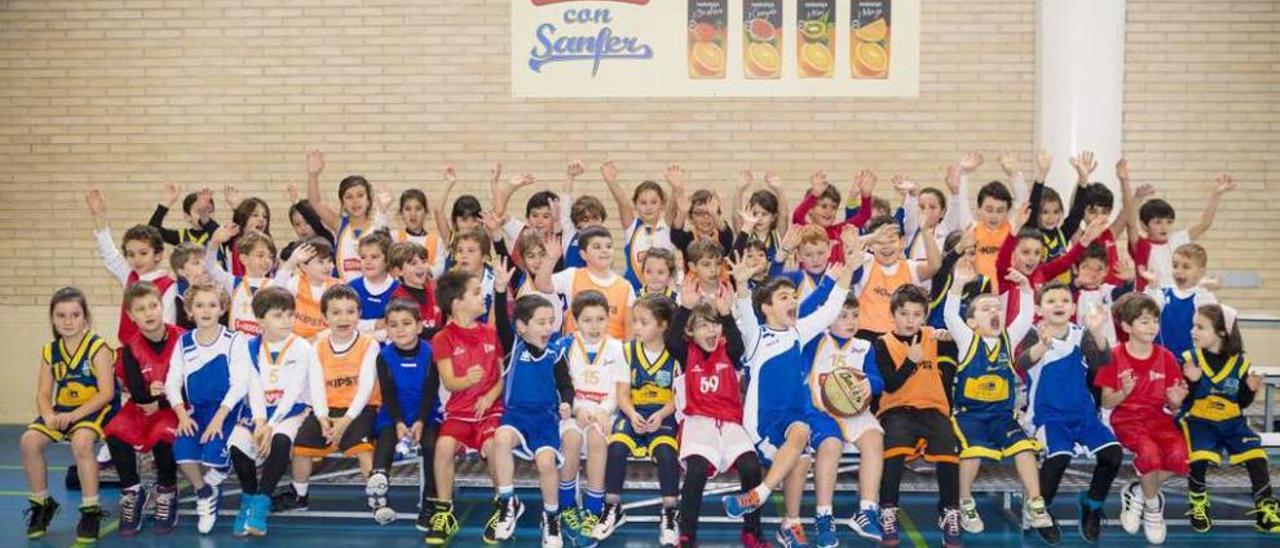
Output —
(242, 517)
(442, 527)
(1035, 514)
(889, 526)
(736, 506)
(585, 535)
(39, 514)
(970, 519)
(610, 519)
(1268, 511)
(550, 530)
(571, 524)
(949, 523)
(1090, 519)
(166, 513)
(384, 515)
(1052, 534)
(753, 539)
(207, 511)
(428, 508)
(1198, 513)
(289, 501)
(866, 523)
(375, 490)
(1153, 526)
(132, 502)
(260, 506)
(824, 531)
(502, 524)
(669, 528)
(90, 524)
(1131, 508)
(792, 536)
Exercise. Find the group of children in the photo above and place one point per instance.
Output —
(1011, 333)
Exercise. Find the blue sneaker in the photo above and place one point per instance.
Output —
(824, 532)
(866, 523)
(257, 522)
(736, 506)
(793, 536)
(242, 517)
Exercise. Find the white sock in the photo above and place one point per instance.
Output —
(763, 492)
(869, 505)
(823, 510)
(300, 488)
(214, 476)
(1153, 503)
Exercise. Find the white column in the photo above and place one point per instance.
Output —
(1080, 86)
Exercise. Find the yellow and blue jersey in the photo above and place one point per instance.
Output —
(74, 380)
(652, 382)
(1216, 397)
(986, 381)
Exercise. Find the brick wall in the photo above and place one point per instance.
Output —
(130, 94)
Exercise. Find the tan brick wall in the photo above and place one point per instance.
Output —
(129, 94)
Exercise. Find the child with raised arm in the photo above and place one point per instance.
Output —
(643, 219)
(537, 363)
(539, 211)
(697, 214)
(821, 204)
(285, 385)
(1141, 386)
(761, 216)
(307, 274)
(467, 356)
(257, 252)
(1090, 283)
(1221, 387)
(1060, 360)
(838, 348)
(410, 265)
(145, 423)
(413, 214)
(886, 270)
(1154, 245)
(1179, 300)
(812, 249)
(348, 363)
(1094, 200)
(355, 217)
(1047, 210)
(197, 208)
(778, 413)
(585, 211)
(985, 395)
(143, 249)
(646, 422)
(597, 249)
(75, 397)
(204, 391)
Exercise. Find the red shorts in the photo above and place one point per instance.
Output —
(1156, 445)
(470, 434)
(142, 431)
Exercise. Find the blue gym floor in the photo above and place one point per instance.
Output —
(473, 508)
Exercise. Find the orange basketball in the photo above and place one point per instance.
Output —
(842, 394)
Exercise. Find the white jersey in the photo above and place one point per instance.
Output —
(1088, 299)
(830, 354)
(595, 381)
(285, 377)
(201, 375)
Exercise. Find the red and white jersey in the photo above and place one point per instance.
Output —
(709, 386)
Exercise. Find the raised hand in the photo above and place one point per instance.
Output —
(818, 183)
(1084, 165)
(1095, 320)
(225, 233)
(772, 181)
(740, 270)
(520, 181)
(865, 181)
(169, 195)
(749, 220)
(231, 195)
(294, 194)
(744, 179)
(903, 186)
(952, 179)
(492, 223)
(1223, 184)
(302, 254)
(574, 169)
(385, 199)
(1125, 268)
(915, 352)
(502, 273)
(96, 202)
(1122, 169)
(1144, 191)
(964, 272)
(315, 162)
(1044, 161)
(609, 171)
(495, 174)
(970, 162)
(1008, 162)
(1018, 278)
(1149, 276)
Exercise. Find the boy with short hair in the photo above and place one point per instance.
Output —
(1093, 201)
(994, 204)
(467, 355)
(914, 409)
(658, 271)
(374, 284)
(187, 262)
(258, 254)
(1179, 300)
(597, 250)
(1141, 384)
(888, 270)
(704, 258)
(142, 247)
(812, 249)
(1090, 282)
(821, 204)
(471, 249)
(1153, 247)
(410, 264)
(197, 208)
(308, 274)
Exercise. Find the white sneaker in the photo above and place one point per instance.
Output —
(508, 515)
(1153, 522)
(207, 512)
(669, 528)
(970, 520)
(1036, 515)
(550, 533)
(1131, 508)
(384, 515)
(375, 490)
(610, 519)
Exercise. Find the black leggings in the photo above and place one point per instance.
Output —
(948, 482)
(1259, 477)
(384, 453)
(695, 483)
(272, 469)
(125, 460)
(615, 469)
(1104, 474)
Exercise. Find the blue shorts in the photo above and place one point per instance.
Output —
(991, 436)
(1207, 440)
(642, 445)
(214, 453)
(771, 432)
(538, 430)
(821, 428)
(1063, 435)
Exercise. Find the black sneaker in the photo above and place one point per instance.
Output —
(90, 524)
(1051, 535)
(610, 519)
(502, 524)
(289, 501)
(1090, 520)
(425, 511)
(442, 527)
(39, 515)
(1198, 512)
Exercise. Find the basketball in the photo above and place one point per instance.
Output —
(842, 394)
